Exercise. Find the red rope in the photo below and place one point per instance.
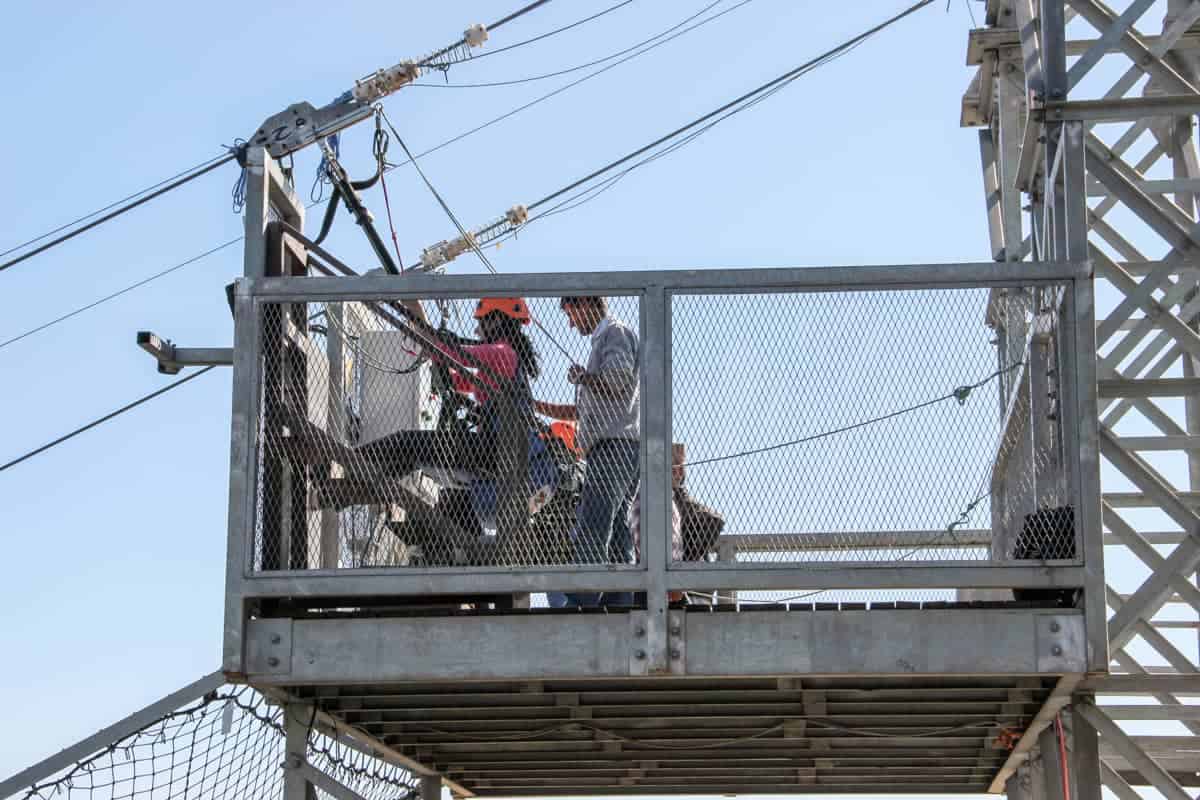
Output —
(388, 206)
(1065, 770)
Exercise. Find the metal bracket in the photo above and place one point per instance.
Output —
(639, 644)
(677, 642)
(269, 647)
(172, 359)
(1060, 644)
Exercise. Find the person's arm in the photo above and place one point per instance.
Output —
(563, 411)
(616, 374)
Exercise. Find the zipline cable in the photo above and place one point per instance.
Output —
(960, 393)
(577, 81)
(576, 68)
(119, 292)
(548, 34)
(463, 231)
(175, 184)
(106, 418)
(101, 210)
(782, 79)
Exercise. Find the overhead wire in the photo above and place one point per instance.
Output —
(390, 166)
(548, 34)
(101, 210)
(118, 412)
(127, 204)
(568, 70)
(960, 393)
(463, 231)
(589, 76)
(782, 80)
(113, 295)
(174, 184)
(431, 59)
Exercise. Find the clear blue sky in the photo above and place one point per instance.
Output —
(115, 541)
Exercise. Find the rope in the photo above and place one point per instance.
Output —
(960, 393)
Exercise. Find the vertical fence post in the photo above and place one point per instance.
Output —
(297, 720)
(656, 484)
(243, 444)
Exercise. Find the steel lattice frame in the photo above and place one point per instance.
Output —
(1056, 129)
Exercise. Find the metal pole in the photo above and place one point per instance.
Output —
(297, 721)
(431, 787)
(1085, 759)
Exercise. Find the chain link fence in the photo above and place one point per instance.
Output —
(870, 426)
(387, 442)
(883, 426)
(229, 743)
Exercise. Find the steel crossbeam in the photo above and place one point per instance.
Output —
(1148, 346)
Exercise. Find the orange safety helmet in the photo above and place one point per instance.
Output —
(564, 431)
(508, 306)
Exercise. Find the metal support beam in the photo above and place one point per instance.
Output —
(1128, 749)
(298, 719)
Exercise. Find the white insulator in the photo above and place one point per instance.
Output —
(475, 35)
(517, 215)
(385, 81)
(434, 256)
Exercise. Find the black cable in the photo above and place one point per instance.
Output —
(118, 212)
(105, 418)
(554, 32)
(435, 148)
(463, 231)
(119, 292)
(960, 393)
(113, 204)
(519, 12)
(748, 95)
(578, 81)
(432, 59)
(544, 76)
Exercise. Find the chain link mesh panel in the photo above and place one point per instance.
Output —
(869, 426)
(228, 744)
(386, 443)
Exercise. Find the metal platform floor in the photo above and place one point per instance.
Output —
(673, 735)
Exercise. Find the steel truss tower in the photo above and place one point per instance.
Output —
(1106, 114)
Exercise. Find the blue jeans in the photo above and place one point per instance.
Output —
(601, 534)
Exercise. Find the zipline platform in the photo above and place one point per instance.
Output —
(864, 552)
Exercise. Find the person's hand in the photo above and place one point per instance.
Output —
(575, 374)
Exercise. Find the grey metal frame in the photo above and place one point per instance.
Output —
(657, 574)
(1027, 97)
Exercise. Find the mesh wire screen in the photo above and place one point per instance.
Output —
(874, 426)
(228, 744)
(381, 444)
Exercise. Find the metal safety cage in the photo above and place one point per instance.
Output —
(298, 482)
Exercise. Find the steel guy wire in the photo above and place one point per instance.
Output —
(578, 81)
(431, 60)
(548, 34)
(783, 79)
(568, 70)
(175, 184)
(111, 205)
(118, 412)
(435, 148)
(960, 393)
(465, 234)
(119, 292)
